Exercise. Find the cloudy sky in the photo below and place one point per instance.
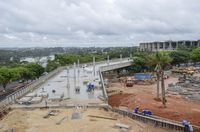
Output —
(32, 23)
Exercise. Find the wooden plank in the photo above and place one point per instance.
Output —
(47, 114)
(60, 121)
(102, 117)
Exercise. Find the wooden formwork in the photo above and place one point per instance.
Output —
(155, 121)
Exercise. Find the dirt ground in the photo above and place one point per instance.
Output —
(23, 120)
(143, 96)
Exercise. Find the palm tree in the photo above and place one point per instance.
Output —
(160, 60)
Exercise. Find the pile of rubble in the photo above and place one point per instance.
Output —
(188, 89)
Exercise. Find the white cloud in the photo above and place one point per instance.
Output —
(108, 22)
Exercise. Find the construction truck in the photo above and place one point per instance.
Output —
(129, 81)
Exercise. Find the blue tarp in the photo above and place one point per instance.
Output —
(197, 65)
(141, 76)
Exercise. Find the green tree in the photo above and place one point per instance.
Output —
(195, 55)
(7, 75)
(179, 56)
(51, 65)
(35, 70)
(160, 60)
(24, 73)
(140, 62)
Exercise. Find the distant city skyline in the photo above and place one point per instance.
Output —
(99, 23)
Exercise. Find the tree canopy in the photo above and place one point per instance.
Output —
(195, 55)
(179, 56)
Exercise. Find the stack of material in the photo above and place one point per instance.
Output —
(36, 100)
(24, 100)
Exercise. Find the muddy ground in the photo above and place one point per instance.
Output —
(143, 96)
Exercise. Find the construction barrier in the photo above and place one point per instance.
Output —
(148, 119)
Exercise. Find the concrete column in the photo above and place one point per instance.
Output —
(170, 45)
(68, 84)
(177, 45)
(147, 46)
(94, 65)
(120, 58)
(191, 44)
(108, 60)
(78, 65)
(198, 43)
(163, 43)
(153, 47)
(158, 46)
(74, 70)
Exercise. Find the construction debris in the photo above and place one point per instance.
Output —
(119, 125)
(76, 115)
(188, 87)
(51, 113)
(102, 117)
(60, 121)
(10, 130)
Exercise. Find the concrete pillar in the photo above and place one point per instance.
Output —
(78, 65)
(170, 45)
(68, 84)
(153, 47)
(158, 46)
(130, 55)
(198, 43)
(147, 46)
(108, 59)
(94, 65)
(164, 44)
(74, 70)
(177, 45)
(120, 58)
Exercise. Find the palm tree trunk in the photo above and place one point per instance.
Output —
(158, 84)
(163, 88)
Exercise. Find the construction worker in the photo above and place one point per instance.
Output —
(136, 110)
(186, 126)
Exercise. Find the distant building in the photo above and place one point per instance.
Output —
(168, 45)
